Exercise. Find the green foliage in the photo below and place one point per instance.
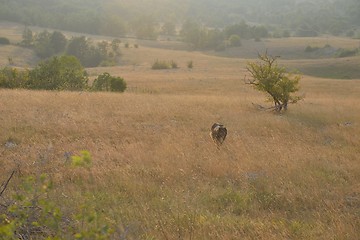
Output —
(268, 77)
(58, 41)
(144, 27)
(200, 37)
(106, 82)
(245, 31)
(42, 45)
(48, 44)
(335, 17)
(13, 78)
(190, 64)
(31, 212)
(84, 160)
(81, 48)
(173, 64)
(4, 41)
(157, 65)
(311, 49)
(235, 40)
(347, 52)
(115, 46)
(92, 227)
(232, 201)
(58, 73)
(27, 38)
(168, 28)
(304, 32)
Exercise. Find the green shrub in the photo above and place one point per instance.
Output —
(58, 73)
(341, 53)
(190, 64)
(220, 47)
(4, 41)
(269, 77)
(13, 78)
(117, 84)
(31, 213)
(160, 65)
(106, 82)
(235, 40)
(311, 49)
(173, 64)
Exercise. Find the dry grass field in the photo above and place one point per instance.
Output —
(156, 173)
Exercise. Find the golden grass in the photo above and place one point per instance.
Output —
(156, 173)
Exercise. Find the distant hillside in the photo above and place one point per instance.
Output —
(120, 17)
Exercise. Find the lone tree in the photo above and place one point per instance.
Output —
(268, 76)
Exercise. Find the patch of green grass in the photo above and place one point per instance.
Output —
(339, 70)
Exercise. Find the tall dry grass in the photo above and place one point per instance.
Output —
(156, 173)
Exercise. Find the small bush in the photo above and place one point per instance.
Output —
(31, 213)
(286, 34)
(106, 82)
(58, 73)
(311, 49)
(117, 84)
(13, 78)
(235, 40)
(4, 41)
(347, 52)
(173, 64)
(190, 64)
(220, 47)
(160, 65)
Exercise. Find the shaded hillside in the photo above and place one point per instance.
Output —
(119, 17)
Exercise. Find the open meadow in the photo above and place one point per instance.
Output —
(156, 174)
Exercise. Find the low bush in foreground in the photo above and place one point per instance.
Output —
(31, 212)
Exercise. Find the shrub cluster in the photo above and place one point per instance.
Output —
(190, 64)
(47, 44)
(157, 65)
(31, 213)
(13, 78)
(4, 41)
(347, 52)
(59, 73)
(106, 82)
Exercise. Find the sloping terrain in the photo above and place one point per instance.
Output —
(156, 174)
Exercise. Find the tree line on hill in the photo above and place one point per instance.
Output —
(47, 44)
(146, 19)
(200, 37)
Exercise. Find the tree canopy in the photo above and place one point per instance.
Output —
(120, 17)
(267, 76)
(58, 73)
